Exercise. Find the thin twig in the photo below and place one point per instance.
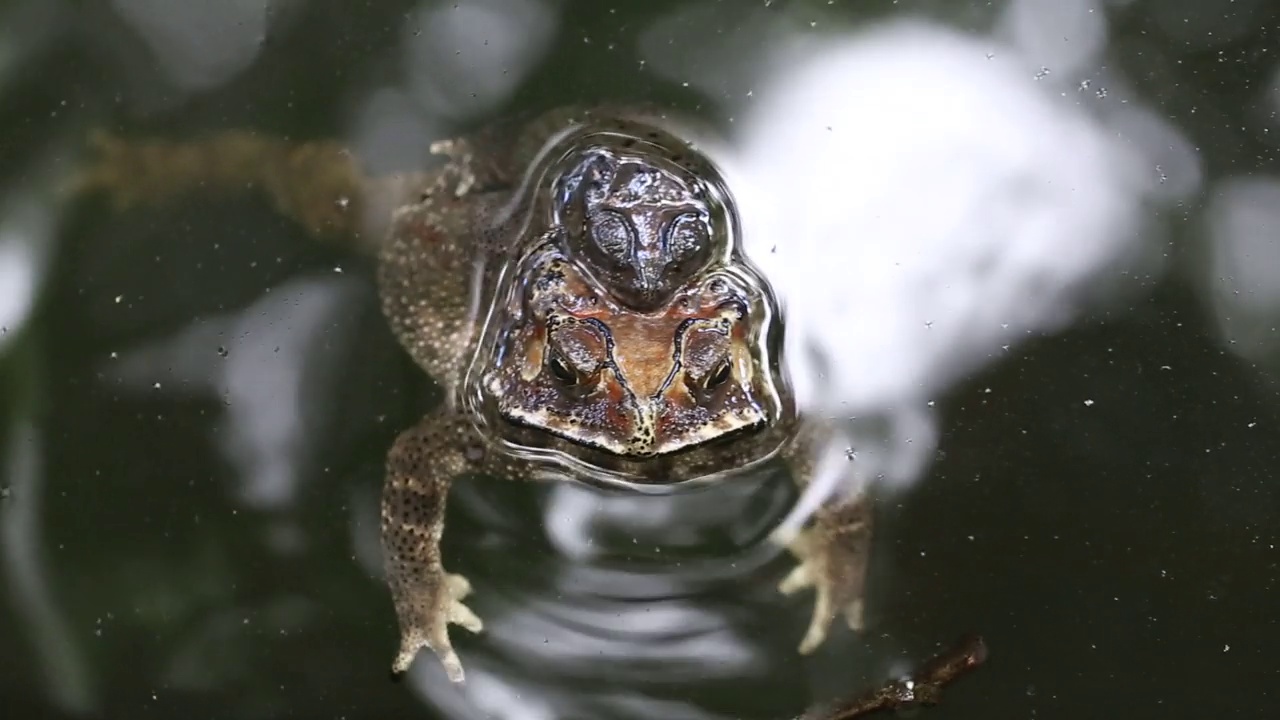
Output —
(924, 686)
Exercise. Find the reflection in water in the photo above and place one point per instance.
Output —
(59, 653)
(631, 604)
(266, 362)
(24, 230)
(924, 200)
(1240, 280)
(28, 224)
(938, 210)
(25, 31)
(200, 45)
(463, 59)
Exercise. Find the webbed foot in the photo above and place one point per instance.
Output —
(425, 612)
(422, 463)
(833, 561)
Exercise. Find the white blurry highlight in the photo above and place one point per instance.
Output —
(266, 362)
(29, 222)
(199, 45)
(464, 59)
(17, 269)
(921, 203)
(1243, 277)
(1065, 36)
(390, 133)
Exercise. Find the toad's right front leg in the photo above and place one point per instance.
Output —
(420, 467)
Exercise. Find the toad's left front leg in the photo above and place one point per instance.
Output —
(421, 465)
(833, 553)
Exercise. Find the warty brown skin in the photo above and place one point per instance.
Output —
(431, 231)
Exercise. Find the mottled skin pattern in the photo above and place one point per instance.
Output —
(432, 230)
(625, 387)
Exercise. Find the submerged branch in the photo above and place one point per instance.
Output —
(924, 686)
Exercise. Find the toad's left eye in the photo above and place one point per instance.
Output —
(686, 236)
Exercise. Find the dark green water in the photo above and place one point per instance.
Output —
(198, 406)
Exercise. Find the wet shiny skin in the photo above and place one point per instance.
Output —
(588, 369)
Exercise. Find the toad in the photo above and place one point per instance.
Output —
(576, 285)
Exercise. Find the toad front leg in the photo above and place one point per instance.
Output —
(832, 552)
(420, 468)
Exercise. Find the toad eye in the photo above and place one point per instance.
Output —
(561, 370)
(611, 234)
(719, 376)
(687, 236)
(576, 352)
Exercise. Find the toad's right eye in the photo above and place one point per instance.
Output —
(719, 376)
